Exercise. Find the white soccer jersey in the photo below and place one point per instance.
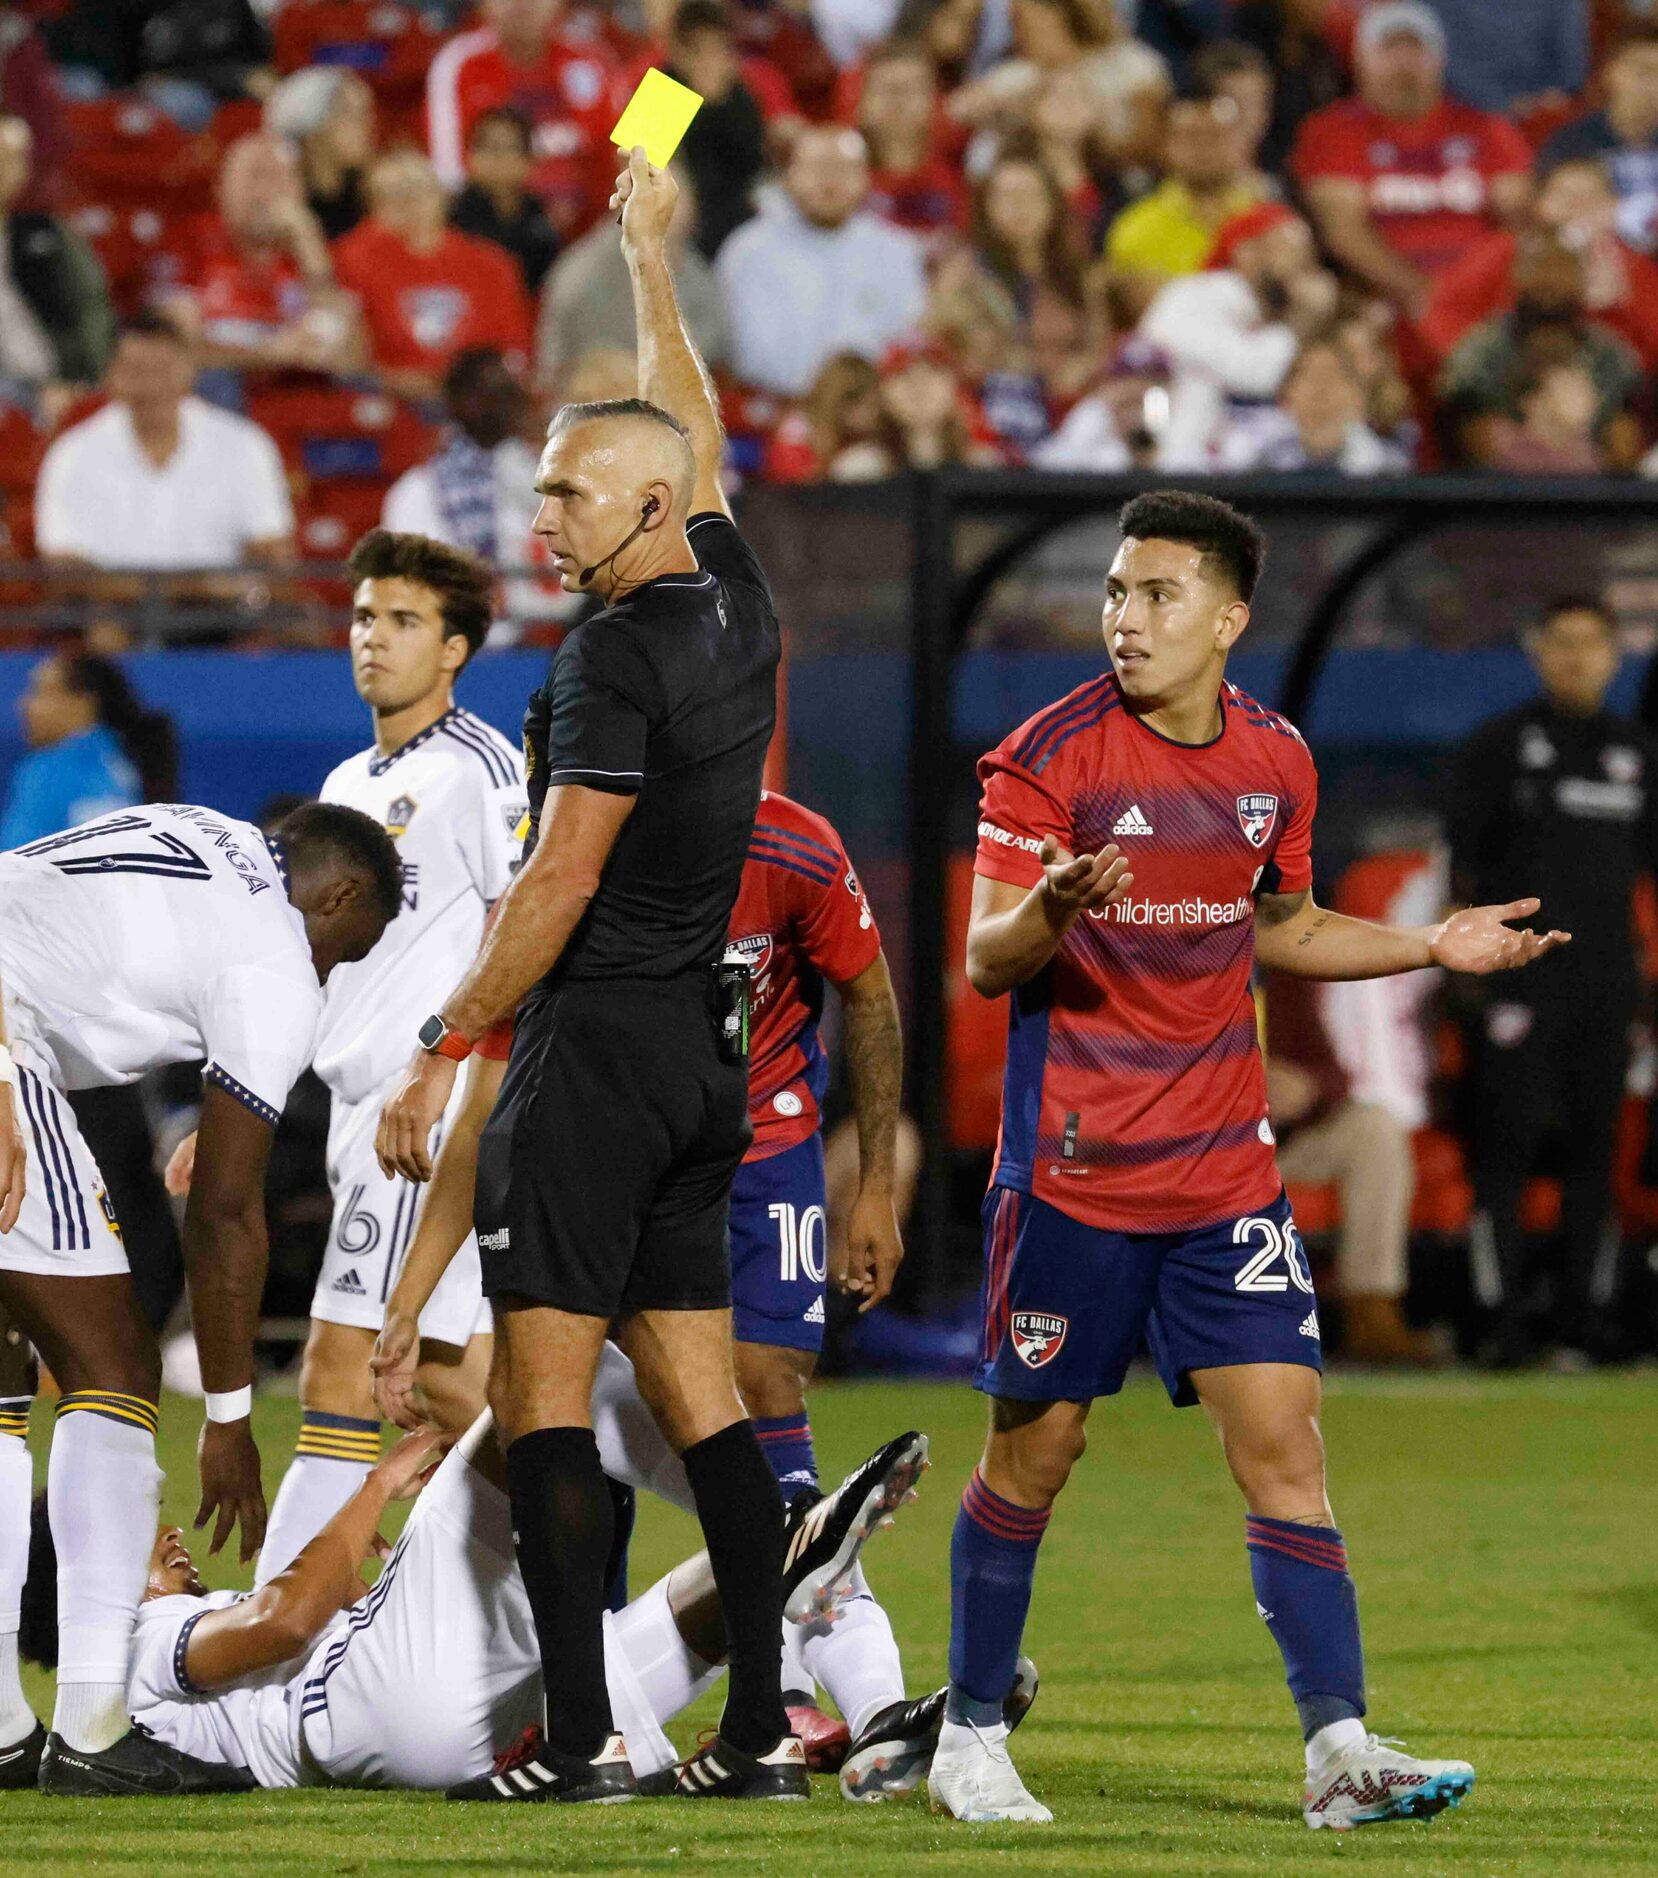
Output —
(161, 934)
(253, 1723)
(453, 800)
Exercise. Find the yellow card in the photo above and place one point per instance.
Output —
(657, 117)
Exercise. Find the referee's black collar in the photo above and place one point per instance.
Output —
(378, 765)
(697, 583)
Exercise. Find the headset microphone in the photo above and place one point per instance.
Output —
(649, 509)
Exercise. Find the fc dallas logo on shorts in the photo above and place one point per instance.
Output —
(1037, 1338)
(1257, 816)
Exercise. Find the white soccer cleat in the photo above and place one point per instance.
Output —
(1376, 1780)
(974, 1778)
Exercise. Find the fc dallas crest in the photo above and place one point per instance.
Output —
(1257, 817)
(1037, 1337)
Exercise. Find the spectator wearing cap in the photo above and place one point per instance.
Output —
(159, 479)
(1129, 81)
(1578, 203)
(497, 203)
(56, 326)
(1232, 332)
(1401, 178)
(427, 290)
(1502, 399)
(587, 300)
(1207, 181)
(910, 184)
(818, 273)
(327, 114)
(256, 281)
(1120, 423)
(1515, 56)
(1317, 421)
(1623, 134)
(549, 63)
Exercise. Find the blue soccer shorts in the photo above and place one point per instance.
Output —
(780, 1248)
(1067, 1307)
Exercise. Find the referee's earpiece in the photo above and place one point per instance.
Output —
(647, 509)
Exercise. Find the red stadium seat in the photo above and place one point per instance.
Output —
(21, 448)
(135, 245)
(332, 515)
(123, 150)
(387, 45)
(331, 432)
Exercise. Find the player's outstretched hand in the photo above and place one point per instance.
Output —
(181, 1167)
(1479, 939)
(868, 1262)
(403, 1141)
(408, 1467)
(646, 197)
(14, 1159)
(1082, 883)
(393, 1364)
(230, 1485)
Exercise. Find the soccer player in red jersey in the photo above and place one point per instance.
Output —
(1142, 842)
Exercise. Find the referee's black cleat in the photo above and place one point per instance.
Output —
(532, 1770)
(20, 1763)
(136, 1764)
(824, 1537)
(718, 1771)
(895, 1751)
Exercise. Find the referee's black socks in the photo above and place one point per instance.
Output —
(562, 1527)
(741, 1510)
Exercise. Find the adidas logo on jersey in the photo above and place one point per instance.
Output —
(1309, 1326)
(350, 1284)
(1131, 822)
(814, 1314)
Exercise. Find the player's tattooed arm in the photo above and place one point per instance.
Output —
(285, 1617)
(1012, 932)
(1294, 934)
(874, 1247)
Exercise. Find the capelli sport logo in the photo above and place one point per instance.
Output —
(1037, 1337)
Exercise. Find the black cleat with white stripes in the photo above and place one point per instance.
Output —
(824, 1537)
(531, 1771)
(721, 1772)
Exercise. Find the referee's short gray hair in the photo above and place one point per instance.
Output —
(569, 414)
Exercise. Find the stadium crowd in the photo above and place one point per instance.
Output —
(1183, 235)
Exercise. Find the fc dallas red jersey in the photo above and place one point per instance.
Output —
(1427, 180)
(800, 918)
(1134, 1098)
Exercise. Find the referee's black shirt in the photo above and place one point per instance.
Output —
(670, 695)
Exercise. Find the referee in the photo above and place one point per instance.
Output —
(605, 1173)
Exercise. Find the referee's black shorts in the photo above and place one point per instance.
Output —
(604, 1175)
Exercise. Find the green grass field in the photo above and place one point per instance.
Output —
(1503, 1535)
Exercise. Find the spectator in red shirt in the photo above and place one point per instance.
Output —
(557, 71)
(910, 183)
(1578, 203)
(1401, 178)
(427, 291)
(257, 280)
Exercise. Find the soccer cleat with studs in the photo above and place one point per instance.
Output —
(20, 1763)
(974, 1778)
(136, 1764)
(719, 1771)
(532, 1771)
(1376, 1781)
(825, 1738)
(824, 1537)
(894, 1754)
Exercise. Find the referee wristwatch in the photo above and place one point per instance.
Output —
(437, 1039)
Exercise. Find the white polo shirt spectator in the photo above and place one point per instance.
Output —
(814, 274)
(160, 479)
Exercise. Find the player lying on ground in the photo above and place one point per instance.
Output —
(1135, 1193)
(893, 1738)
(449, 790)
(165, 934)
(432, 1678)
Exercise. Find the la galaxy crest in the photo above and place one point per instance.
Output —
(1257, 817)
(1037, 1336)
(399, 816)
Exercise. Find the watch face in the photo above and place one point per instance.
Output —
(432, 1033)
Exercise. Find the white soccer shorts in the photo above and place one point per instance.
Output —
(67, 1228)
(438, 1669)
(373, 1228)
